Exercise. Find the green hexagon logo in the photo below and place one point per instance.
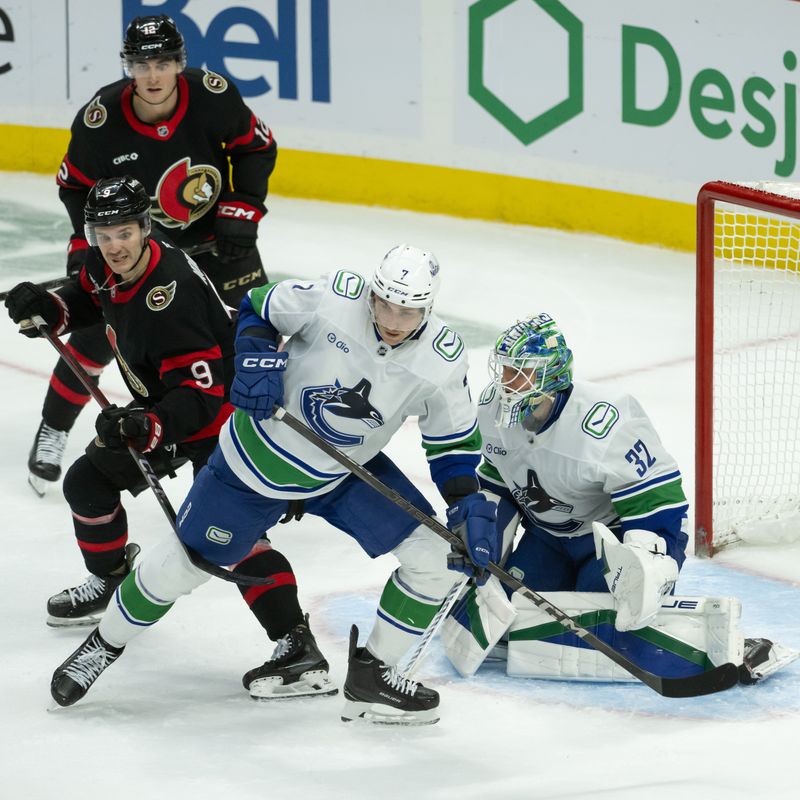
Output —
(565, 24)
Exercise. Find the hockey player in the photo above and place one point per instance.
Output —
(603, 518)
(173, 341)
(205, 161)
(361, 358)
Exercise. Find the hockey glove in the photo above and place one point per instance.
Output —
(76, 255)
(236, 227)
(474, 519)
(26, 300)
(118, 428)
(258, 384)
(638, 571)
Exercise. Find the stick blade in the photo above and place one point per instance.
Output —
(710, 682)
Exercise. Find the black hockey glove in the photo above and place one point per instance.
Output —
(474, 519)
(236, 226)
(76, 255)
(26, 300)
(117, 428)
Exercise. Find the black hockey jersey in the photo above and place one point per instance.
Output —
(171, 335)
(211, 148)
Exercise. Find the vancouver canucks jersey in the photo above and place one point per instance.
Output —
(352, 389)
(597, 458)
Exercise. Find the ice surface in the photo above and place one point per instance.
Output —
(171, 720)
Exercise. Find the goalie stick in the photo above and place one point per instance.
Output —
(147, 470)
(55, 283)
(714, 680)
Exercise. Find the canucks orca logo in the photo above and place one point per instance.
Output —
(320, 403)
(534, 498)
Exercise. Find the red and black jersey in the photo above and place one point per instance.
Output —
(212, 150)
(171, 335)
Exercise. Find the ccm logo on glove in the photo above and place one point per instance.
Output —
(264, 362)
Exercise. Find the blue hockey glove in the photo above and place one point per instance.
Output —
(474, 519)
(258, 384)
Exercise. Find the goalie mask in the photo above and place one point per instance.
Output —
(115, 201)
(154, 36)
(403, 289)
(529, 362)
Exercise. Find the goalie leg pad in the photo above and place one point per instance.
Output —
(689, 635)
(476, 623)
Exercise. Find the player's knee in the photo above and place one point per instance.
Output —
(166, 573)
(423, 563)
(87, 491)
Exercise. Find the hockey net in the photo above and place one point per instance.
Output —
(747, 440)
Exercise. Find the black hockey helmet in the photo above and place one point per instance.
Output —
(114, 201)
(154, 36)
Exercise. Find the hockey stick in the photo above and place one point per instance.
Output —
(57, 283)
(410, 666)
(714, 680)
(147, 470)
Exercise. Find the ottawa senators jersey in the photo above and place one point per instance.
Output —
(170, 333)
(183, 162)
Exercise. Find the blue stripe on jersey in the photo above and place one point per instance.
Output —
(453, 437)
(640, 487)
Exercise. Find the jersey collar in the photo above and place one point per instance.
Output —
(157, 130)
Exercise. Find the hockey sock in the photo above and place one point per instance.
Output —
(275, 606)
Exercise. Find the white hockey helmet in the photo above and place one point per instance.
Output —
(408, 277)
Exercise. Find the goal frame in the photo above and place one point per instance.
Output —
(709, 194)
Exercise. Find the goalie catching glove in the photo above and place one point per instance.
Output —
(258, 384)
(638, 571)
(474, 519)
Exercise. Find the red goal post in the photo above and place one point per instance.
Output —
(747, 415)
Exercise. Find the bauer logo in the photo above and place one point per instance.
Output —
(219, 536)
(284, 40)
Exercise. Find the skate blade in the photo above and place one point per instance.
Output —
(311, 684)
(781, 657)
(73, 622)
(39, 485)
(378, 714)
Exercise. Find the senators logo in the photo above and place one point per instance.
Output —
(185, 193)
(213, 82)
(159, 297)
(95, 114)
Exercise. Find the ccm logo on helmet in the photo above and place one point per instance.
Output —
(236, 211)
(265, 362)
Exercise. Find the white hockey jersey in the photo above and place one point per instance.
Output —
(598, 459)
(351, 388)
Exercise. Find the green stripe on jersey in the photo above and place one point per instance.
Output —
(258, 295)
(267, 461)
(402, 608)
(490, 471)
(645, 503)
(136, 605)
(470, 444)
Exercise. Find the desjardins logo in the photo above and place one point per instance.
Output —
(718, 107)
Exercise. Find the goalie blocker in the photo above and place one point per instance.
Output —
(688, 636)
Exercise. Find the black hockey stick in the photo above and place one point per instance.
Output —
(56, 283)
(147, 470)
(714, 680)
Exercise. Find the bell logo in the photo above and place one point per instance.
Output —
(544, 24)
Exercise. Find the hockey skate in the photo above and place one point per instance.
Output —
(296, 669)
(377, 693)
(44, 461)
(84, 604)
(762, 657)
(73, 678)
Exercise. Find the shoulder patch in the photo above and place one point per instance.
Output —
(159, 297)
(448, 344)
(347, 284)
(213, 82)
(600, 420)
(95, 114)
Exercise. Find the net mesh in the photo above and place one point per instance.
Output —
(756, 446)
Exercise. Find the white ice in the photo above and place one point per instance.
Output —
(171, 720)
